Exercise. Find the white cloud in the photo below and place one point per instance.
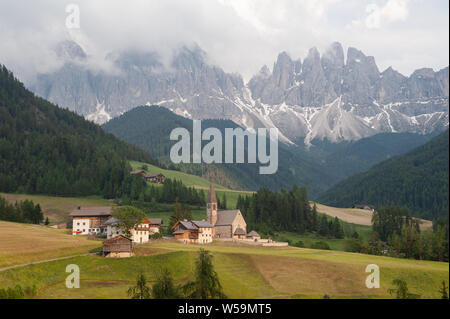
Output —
(238, 35)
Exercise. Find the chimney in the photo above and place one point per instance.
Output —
(79, 207)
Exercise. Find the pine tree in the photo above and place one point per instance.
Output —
(206, 284)
(323, 229)
(140, 291)
(164, 287)
(224, 201)
(314, 219)
(443, 291)
(177, 214)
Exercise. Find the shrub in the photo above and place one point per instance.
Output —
(320, 245)
(300, 244)
(156, 236)
(353, 245)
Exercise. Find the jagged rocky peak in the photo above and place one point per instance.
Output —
(189, 57)
(334, 56)
(322, 96)
(425, 83)
(391, 86)
(283, 71)
(69, 49)
(333, 62)
(264, 72)
(136, 59)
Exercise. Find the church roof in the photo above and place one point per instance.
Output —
(239, 231)
(226, 217)
(211, 194)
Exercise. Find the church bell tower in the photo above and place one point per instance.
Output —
(211, 206)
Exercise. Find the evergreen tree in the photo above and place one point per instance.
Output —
(140, 291)
(177, 214)
(323, 229)
(164, 287)
(206, 284)
(224, 201)
(314, 218)
(443, 291)
(401, 290)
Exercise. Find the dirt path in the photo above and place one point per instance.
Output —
(40, 262)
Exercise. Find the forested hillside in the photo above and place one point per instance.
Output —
(49, 150)
(150, 127)
(418, 180)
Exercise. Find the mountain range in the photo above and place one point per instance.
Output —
(322, 97)
(318, 167)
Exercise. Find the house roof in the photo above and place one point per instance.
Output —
(112, 221)
(226, 217)
(91, 211)
(253, 234)
(211, 194)
(153, 221)
(239, 231)
(188, 225)
(137, 172)
(202, 224)
(111, 240)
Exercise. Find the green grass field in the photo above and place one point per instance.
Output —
(245, 272)
(187, 179)
(194, 181)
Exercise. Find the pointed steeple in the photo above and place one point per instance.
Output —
(211, 194)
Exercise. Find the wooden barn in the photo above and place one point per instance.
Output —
(118, 247)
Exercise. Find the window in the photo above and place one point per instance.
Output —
(78, 224)
(84, 224)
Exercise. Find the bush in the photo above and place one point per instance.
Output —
(300, 244)
(320, 245)
(156, 236)
(353, 245)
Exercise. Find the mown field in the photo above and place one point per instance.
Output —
(57, 209)
(245, 272)
(359, 216)
(24, 243)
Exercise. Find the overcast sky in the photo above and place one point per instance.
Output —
(238, 35)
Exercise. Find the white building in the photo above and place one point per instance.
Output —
(89, 220)
(140, 234)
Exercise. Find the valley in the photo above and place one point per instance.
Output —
(246, 272)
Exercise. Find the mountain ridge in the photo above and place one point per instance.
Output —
(417, 179)
(322, 97)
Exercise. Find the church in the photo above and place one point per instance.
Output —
(226, 223)
(219, 224)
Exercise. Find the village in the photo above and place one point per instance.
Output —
(220, 225)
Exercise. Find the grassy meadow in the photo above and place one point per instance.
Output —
(194, 181)
(244, 271)
(57, 209)
(24, 243)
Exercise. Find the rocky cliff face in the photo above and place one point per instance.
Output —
(321, 97)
